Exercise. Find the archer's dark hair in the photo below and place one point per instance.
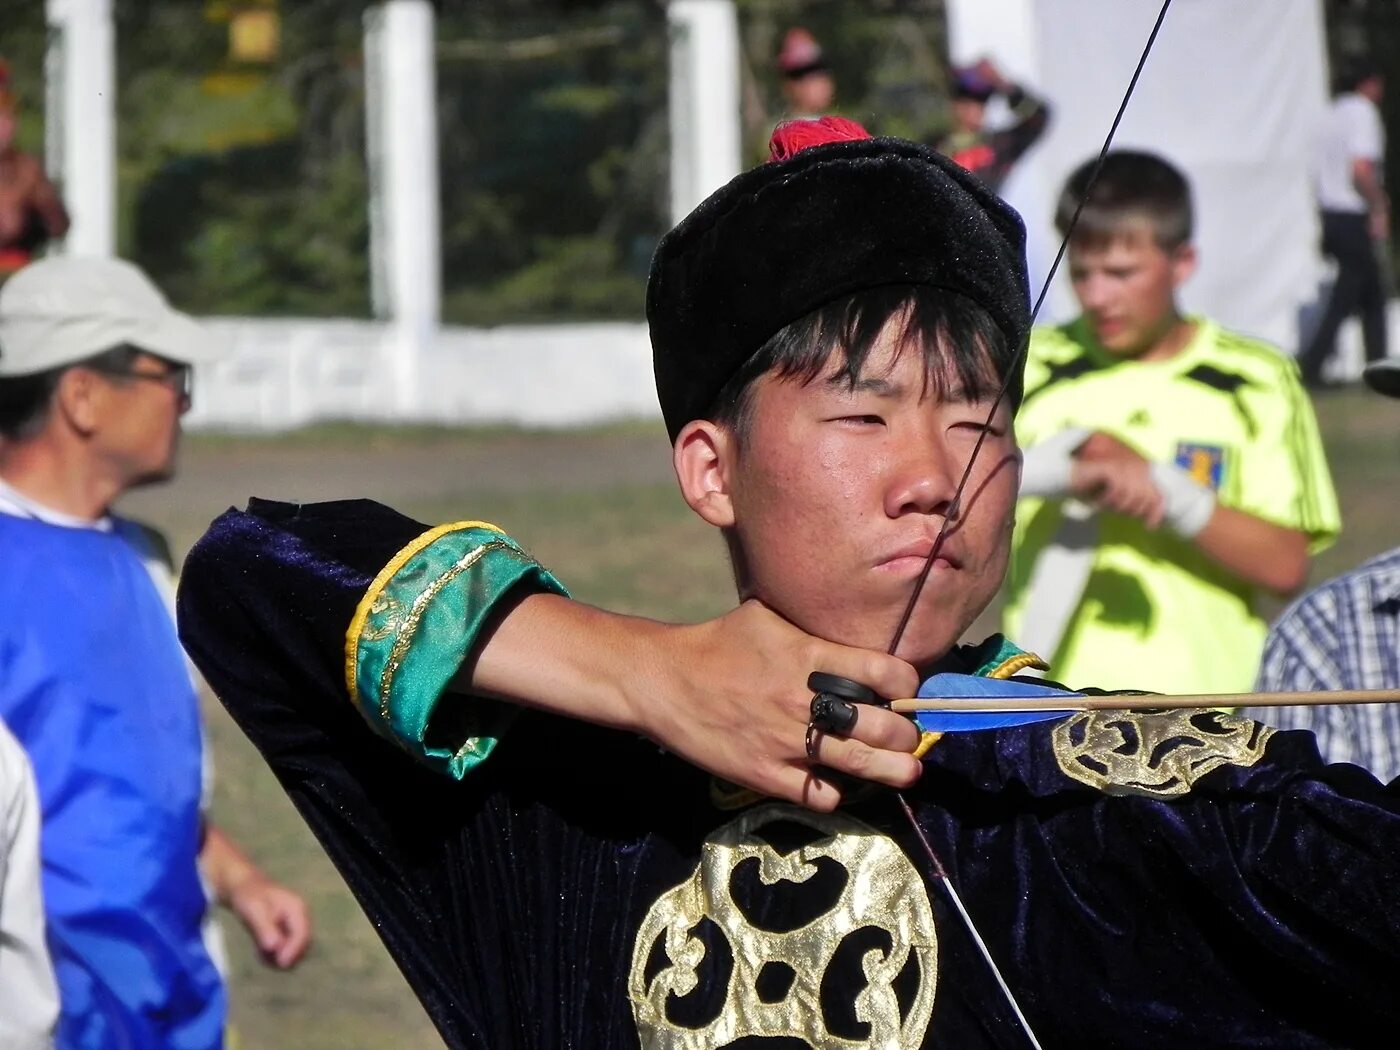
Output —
(1132, 187)
(25, 400)
(960, 343)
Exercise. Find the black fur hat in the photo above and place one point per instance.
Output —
(836, 212)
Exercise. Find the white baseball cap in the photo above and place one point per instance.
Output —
(1383, 376)
(62, 310)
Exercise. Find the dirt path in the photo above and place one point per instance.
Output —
(218, 472)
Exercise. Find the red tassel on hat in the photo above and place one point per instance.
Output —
(793, 136)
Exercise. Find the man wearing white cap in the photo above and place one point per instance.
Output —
(1344, 635)
(95, 372)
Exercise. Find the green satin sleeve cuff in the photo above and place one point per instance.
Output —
(417, 623)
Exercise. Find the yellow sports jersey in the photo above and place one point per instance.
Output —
(1156, 613)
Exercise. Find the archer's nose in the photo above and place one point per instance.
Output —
(923, 483)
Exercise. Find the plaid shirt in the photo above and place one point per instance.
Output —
(1344, 635)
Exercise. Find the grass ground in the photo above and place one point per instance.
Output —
(600, 507)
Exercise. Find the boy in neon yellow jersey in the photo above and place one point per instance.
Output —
(1173, 469)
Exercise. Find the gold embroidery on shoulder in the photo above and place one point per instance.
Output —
(1159, 754)
(775, 979)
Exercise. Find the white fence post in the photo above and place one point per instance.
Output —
(81, 120)
(704, 100)
(401, 115)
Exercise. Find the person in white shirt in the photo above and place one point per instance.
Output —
(28, 992)
(1355, 218)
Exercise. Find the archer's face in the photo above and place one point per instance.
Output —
(837, 494)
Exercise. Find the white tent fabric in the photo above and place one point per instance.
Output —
(1232, 93)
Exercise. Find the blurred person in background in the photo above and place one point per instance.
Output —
(28, 994)
(1344, 635)
(1174, 470)
(31, 213)
(990, 155)
(95, 374)
(809, 90)
(1355, 214)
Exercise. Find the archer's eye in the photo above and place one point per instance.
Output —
(975, 427)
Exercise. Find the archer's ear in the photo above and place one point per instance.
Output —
(703, 458)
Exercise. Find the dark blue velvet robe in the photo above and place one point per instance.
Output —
(1258, 907)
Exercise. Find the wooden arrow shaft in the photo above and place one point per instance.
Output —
(1145, 702)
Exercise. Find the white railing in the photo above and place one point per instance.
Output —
(278, 374)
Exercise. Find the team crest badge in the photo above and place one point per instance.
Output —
(1205, 463)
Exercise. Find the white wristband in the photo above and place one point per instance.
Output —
(1189, 504)
(1046, 467)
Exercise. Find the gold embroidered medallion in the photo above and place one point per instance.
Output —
(1159, 754)
(881, 894)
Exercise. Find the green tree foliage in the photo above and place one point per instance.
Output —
(22, 44)
(888, 59)
(243, 186)
(554, 137)
(553, 146)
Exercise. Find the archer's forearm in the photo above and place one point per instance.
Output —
(728, 695)
(561, 656)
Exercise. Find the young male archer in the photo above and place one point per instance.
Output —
(546, 876)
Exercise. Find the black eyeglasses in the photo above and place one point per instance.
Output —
(179, 378)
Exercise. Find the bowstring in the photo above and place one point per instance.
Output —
(955, 510)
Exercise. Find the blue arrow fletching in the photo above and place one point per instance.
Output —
(983, 693)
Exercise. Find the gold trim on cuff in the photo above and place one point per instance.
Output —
(408, 626)
(380, 581)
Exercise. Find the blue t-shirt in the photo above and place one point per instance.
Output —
(94, 684)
